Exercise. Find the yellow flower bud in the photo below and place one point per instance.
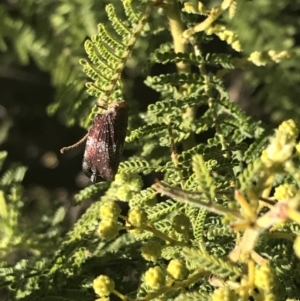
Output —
(110, 210)
(224, 293)
(155, 277)
(263, 277)
(177, 269)
(151, 250)
(285, 191)
(137, 217)
(108, 229)
(103, 285)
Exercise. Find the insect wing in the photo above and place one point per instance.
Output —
(120, 123)
(91, 148)
(105, 143)
(106, 154)
(111, 140)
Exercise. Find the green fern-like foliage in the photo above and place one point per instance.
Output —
(21, 242)
(109, 50)
(226, 208)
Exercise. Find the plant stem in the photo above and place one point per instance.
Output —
(177, 28)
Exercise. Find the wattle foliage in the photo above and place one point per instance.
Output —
(221, 217)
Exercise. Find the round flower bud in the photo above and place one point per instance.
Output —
(289, 128)
(155, 277)
(177, 269)
(135, 183)
(224, 293)
(151, 250)
(281, 146)
(257, 59)
(124, 193)
(120, 178)
(137, 217)
(103, 286)
(109, 210)
(263, 277)
(108, 229)
(222, 36)
(230, 38)
(285, 191)
(181, 223)
(236, 45)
